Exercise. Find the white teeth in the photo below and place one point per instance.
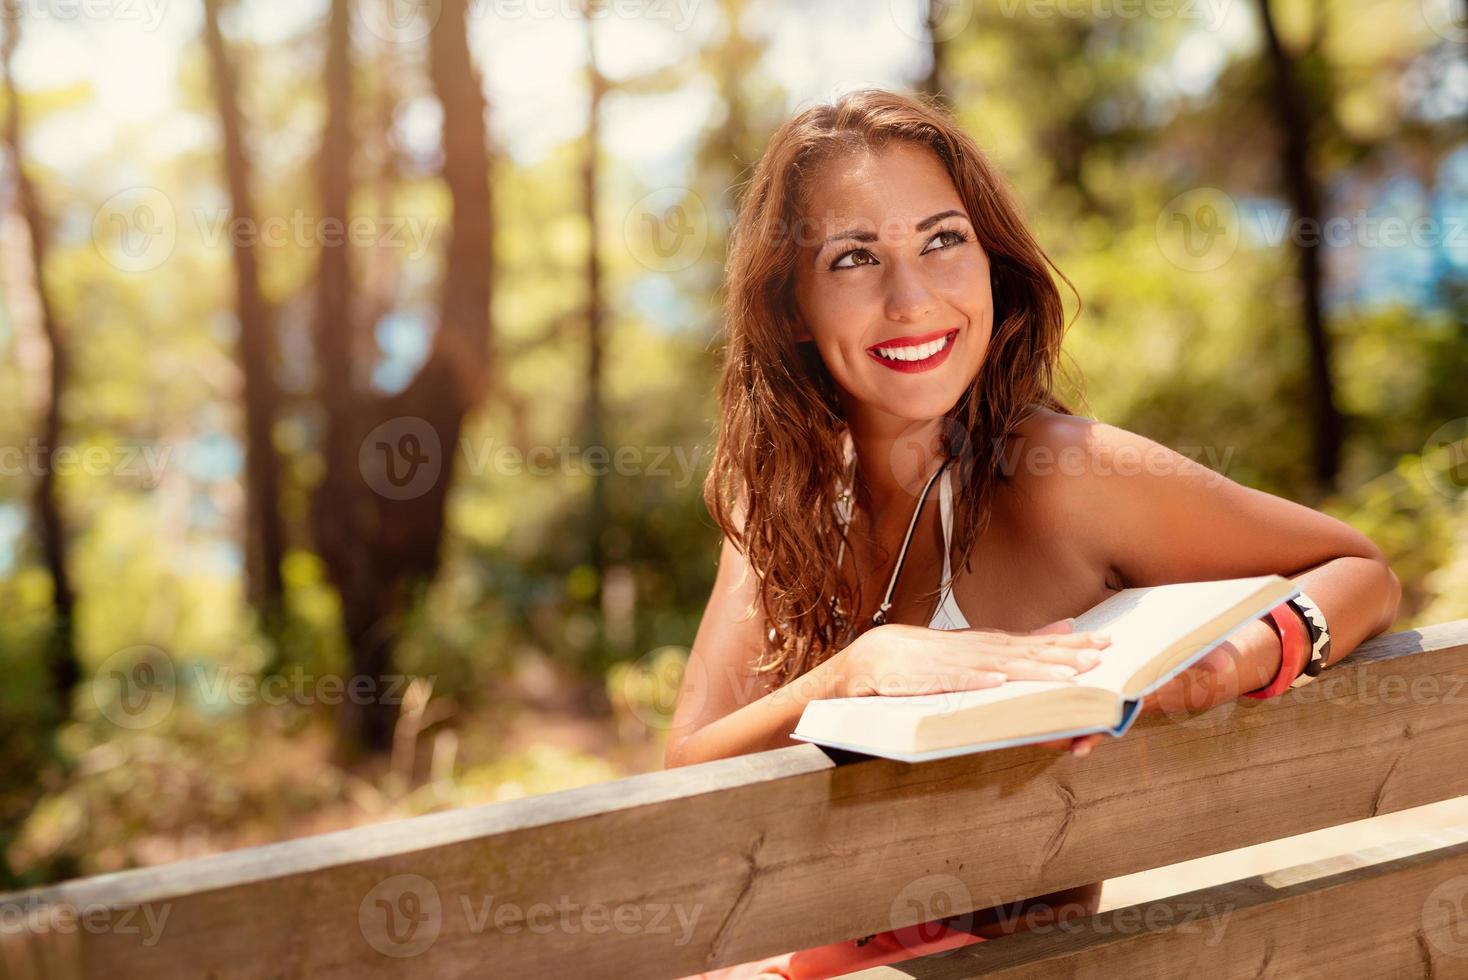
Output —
(918, 353)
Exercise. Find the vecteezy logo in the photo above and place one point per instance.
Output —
(937, 20)
(401, 916)
(410, 450)
(1200, 686)
(1199, 230)
(650, 686)
(929, 440)
(940, 903)
(135, 687)
(1447, 18)
(399, 21)
(402, 458)
(675, 221)
(1445, 916)
(1204, 221)
(667, 230)
(1445, 459)
(136, 230)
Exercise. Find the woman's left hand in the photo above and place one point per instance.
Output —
(1080, 746)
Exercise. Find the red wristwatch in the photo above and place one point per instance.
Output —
(1294, 651)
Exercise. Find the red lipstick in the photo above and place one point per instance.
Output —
(914, 367)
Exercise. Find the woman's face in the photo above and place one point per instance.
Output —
(892, 285)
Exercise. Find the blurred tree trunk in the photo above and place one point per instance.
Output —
(594, 425)
(385, 263)
(61, 649)
(1295, 122)
(378, 513)
(932, 83)
(726, 152)
(264, 534)
(343, 511)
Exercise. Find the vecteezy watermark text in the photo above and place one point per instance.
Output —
(148, 13)
(29, 914)
(410, 233)
(35, 459)
(1210, 13)
(137, 229)
(1201, 229)
(410, 21)
(404, 458)
(403, 915)
(1041, 459)
(138, 686)
(1184, 917)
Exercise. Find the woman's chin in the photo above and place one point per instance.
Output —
(916, 407)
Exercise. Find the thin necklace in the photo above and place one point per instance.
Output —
(845, 506)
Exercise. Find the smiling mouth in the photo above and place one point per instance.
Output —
(909, 354)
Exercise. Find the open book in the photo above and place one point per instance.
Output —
(1156, 632)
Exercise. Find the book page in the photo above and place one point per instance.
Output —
(1144, 622)
(945, 702)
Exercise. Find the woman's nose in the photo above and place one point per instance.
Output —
(909, 295)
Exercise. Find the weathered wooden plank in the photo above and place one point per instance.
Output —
(673, 872)
(1404, 917)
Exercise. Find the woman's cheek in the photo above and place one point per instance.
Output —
(964, 276)
(972, 306)
(846, 308)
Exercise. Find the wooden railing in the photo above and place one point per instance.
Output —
(675, 872)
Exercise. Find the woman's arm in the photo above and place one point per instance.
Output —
(1170, 519)
(1347, 589)
(724, 709)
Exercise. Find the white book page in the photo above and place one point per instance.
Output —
(947, 701)
(1145, 621)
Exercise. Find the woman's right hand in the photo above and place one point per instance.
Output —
(894, 659)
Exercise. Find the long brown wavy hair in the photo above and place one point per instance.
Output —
(782, 437)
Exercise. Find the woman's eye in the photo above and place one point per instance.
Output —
(947, 239)
(842, 263)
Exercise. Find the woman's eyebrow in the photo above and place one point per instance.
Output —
(854, 234)
(859, 235)
(929, 222)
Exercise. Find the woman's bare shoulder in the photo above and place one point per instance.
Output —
(1060, 469)
(1052, 452)
(1046, 452)
(1153, 514)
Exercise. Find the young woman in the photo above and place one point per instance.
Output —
(893, 334)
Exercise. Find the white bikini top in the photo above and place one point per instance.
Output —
(947, 616)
